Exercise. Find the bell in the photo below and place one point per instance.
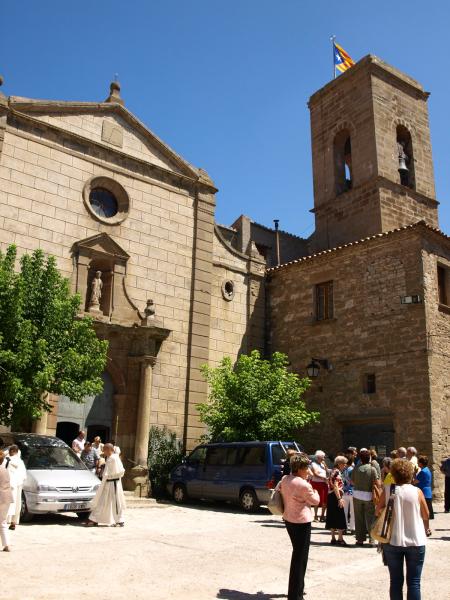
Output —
(402, 165)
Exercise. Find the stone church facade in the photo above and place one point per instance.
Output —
(367, 295)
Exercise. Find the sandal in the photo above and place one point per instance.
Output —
(90, 523)
(428, 532)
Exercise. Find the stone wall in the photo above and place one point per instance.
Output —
(371, 333)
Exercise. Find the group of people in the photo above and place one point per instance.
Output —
(108, 504)
(12, 476)
(350, 495)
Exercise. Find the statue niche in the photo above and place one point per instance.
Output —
(100, 277)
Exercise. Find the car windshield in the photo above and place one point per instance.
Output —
(48, 457)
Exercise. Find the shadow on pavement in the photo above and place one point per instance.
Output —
(54, 519)
(218, 506)
(236, 595)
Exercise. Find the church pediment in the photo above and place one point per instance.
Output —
(101, 244)
(110, 124)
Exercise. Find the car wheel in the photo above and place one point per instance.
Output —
(179, 493)
(25, 516)
(248, 500)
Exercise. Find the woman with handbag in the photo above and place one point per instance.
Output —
(298, 498)
(407, 533)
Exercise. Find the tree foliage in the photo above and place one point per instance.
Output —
(164, 453)
(44, 345)
(256, 400)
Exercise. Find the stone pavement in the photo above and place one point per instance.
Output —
(197, 552)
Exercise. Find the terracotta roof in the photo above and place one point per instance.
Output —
(361, 241)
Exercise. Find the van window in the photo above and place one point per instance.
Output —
(216, 457)
(197, 456)
(252, 456)
(278, 454)
(232, 454)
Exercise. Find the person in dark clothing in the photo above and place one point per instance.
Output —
(286, 470)
(445, 469)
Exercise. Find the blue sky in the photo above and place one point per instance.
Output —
(226, 82)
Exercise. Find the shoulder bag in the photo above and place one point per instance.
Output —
(382, 529)
(276, 504)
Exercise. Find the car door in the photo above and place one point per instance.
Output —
(192, 472)
(215, 473)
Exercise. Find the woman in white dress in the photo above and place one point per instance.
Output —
(6, 497)
(17, 475)
(109, 501)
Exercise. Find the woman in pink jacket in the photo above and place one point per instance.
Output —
(298, 497)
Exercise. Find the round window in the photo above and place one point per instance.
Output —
(103, 202)
(228, 290)
(106, 200)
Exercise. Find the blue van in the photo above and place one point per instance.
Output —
(241, 472)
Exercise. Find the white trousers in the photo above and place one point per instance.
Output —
(3, 524)
(349, 511)
(15, 507)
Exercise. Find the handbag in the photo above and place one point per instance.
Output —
(382, 528)
(276, 503)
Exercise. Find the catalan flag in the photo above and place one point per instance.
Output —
(342, 61)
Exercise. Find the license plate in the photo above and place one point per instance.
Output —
(75, 506)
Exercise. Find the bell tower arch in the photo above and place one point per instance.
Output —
(371, 154)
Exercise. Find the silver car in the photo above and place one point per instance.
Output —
(57, 480)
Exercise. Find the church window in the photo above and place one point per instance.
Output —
(324, 301)
(106, 200)
(443, 276)
(228, 290)
(370, 383)
(405, 157)
(343, 162)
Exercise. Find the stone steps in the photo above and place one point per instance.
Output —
(143, 502)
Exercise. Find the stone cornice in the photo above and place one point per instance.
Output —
(83, 147)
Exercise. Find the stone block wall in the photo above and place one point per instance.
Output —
(371, 333)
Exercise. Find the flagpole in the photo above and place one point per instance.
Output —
(332, 38)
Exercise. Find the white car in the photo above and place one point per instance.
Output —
(57, 480)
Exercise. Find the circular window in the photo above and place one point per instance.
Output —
(106, 200)
(103, 203)
(228, 290)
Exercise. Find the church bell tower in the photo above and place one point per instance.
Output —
(371, 154)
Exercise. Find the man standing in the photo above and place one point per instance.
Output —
(17, 475)
(78, 443)
(364, 479)
(109, 502)
(445, 469)
(411, 455)
(401, 452)
(90, 457)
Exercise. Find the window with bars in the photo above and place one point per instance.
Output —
(324, 301)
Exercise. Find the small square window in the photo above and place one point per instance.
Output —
(370, 383)
(324, 301)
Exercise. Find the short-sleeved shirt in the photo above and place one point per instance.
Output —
(89, 458)
(347, 478)
(424, 482)
(363, 478)
(335, 479)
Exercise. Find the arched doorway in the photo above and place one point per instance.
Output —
(95, 414)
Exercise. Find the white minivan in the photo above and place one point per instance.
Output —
(57, 480)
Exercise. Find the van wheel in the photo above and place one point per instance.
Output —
(25, 516)
(248, 500)
(179, 493)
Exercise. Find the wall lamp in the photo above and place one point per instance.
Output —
(314, 366)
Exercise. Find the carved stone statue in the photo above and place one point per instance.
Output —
(96, 291)
(149, 310)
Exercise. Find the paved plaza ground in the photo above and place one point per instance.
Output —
(197, 552)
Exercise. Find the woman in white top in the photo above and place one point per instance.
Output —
(6, 497)
(408, 536)
(319, 482)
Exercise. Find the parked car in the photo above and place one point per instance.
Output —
(57, 480)
(241, 472)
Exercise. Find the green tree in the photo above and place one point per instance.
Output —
(256, 400)
(44, 346)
